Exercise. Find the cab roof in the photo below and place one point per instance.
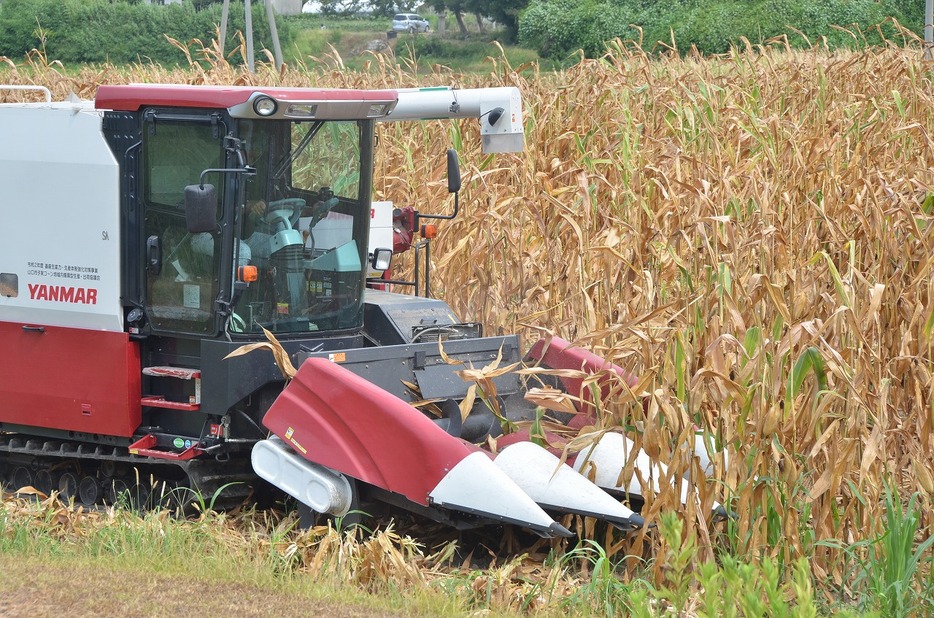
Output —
(133, 97)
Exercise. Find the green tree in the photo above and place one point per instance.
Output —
(503, 12)
(558, 28)
(105, 31)
(386, 8)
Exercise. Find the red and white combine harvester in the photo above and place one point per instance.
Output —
(148, 234)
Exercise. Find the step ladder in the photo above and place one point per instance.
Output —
(179, 373)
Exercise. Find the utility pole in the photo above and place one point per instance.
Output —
(225, 12)
(248, 18)
(928, 29)
(274, 33)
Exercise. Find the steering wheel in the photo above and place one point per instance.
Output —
(237, 324)
(295, 204)
(289, 202)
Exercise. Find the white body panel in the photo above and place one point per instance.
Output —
(59, 207)
(380, 232)
(332, 231)
(505, 135)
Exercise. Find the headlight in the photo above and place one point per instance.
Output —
(265, 106)
(301, 109)
(381, 259)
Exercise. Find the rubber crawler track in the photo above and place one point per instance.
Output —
(221, 484)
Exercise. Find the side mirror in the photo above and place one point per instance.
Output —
(201, 208)
(454, 172)
(454, 185)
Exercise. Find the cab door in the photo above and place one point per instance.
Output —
(183, 282)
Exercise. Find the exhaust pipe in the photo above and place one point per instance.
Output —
(317, 487)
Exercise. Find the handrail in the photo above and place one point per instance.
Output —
(48, 93)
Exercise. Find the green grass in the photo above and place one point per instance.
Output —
(315, 36)
(345, 24)
(388, 573)
(472, 55)
(121, 545)
(890, 568)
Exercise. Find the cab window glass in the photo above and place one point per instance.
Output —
(330, 160)
(175, 155)
(180, 295)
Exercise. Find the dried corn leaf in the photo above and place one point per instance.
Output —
(466, 404)
(279, 354)
(552, 399)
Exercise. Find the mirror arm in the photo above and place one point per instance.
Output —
(454, 186)
(419, 215)
(246, 169)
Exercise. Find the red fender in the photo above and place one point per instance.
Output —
(335, 418)
(560, 354)
(555, 442)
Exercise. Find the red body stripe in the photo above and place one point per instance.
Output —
(69, 379)
(336, 418)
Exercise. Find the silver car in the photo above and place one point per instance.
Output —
(409, 22)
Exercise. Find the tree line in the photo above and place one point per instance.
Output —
(124, 31)
(560, 28)
(504, 12)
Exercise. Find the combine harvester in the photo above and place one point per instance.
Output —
(150, 234)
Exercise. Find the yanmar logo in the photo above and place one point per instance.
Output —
(63, 294)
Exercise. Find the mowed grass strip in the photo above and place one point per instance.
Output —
(37, 587)
(262, 554)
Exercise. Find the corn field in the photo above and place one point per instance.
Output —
(751, 235)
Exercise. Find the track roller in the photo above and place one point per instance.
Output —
(68, 487)
(89, 491)
(43, 481)
(22, 477)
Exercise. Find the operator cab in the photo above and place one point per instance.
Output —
(256, 215)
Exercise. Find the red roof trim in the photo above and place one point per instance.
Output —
(132, 98)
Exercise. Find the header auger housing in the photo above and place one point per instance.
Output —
(149, 234)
